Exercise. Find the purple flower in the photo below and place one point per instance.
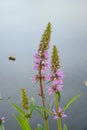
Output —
(62, 112)
(36, 66)
(47, 64)
(60, 74)
(52, 89)
(43, 69)
(36, 56)
(47, 77)
(46, 54)
(60, 81)
(55, 114)
(38, 60)
(59, 88)
(41, 63)
(2, 120)
(57, 81)
(59, 113)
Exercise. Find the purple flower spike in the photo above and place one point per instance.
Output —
(58, 114)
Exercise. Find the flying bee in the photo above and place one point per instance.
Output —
(12, 58)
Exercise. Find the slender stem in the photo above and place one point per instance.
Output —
(57, 106)
(43, 103)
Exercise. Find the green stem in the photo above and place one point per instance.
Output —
(46, 124)
(43, 103)
(27, 118)
(57, 106)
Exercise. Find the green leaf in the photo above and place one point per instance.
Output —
(65, 127)
(31, 106)
(40, 113)
(32, 101)
(17, 108)
(59, 96)
(71, 101)
(39, 127)
(2, 127)
(41, 108)
(51, 104)
(24, 124)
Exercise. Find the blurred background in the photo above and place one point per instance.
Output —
(22, 23)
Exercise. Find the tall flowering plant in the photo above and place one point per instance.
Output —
(41, 64)
(55, 77)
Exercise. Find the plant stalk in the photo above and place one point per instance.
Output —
(57, 106)
(43, 103)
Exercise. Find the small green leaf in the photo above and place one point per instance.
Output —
(40, 113)
(17, 108)
(71, 101)
(51, 104)
(2, 127)
(32, 101)
(31, 106)
(65, 127)
(39, 127)
(41, 108)
(24, 124)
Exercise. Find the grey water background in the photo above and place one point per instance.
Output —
(22, 23)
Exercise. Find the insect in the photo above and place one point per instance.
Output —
(12, 58)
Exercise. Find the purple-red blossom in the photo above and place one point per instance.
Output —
(57, 82)
(41, 59)
(41, 62)
(43, 70)
(60, 74)
(56, 88)
(50, 90)
(36, 66)
(46, 54)
(59, 113)
(2, 120)
(48, 77)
